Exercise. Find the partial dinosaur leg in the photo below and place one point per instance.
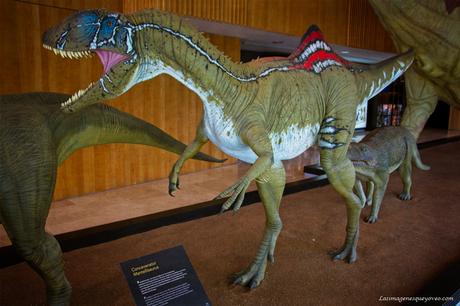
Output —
(189, 152)
(421, 102)
(270, 186)
(341, 176)
(380, 180)
(370, 192)
(24, 210)
(360, 191)
(335, 135)
(270, 178)
(405, 171)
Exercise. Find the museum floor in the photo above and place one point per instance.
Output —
(414, 249)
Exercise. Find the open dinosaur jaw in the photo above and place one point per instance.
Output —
(69, 54)
(108, 59)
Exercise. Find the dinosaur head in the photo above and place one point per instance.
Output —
(107, 34)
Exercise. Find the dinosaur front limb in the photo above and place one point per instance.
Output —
(257, 139)
(237, 191)
(360, 191)
(380, 181)
(189, 152)
(370, 192)
(421, 102)
(270, 189)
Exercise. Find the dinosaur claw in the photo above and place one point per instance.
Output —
(237, 279)
(253, 285)
(172, 188)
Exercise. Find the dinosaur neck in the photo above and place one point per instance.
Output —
(101, 124)
(165, 45)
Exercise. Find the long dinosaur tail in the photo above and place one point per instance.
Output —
(413, 150)
(417, 161)
(102, 124)
(378, 76)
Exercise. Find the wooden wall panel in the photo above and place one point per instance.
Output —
(365, 30)
(294, 16)
(454, 118)
(115, 5)
(229, 11)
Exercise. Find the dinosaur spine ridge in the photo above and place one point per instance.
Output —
(314, 53)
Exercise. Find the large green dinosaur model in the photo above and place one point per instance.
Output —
(432, 29)
(376, 156)
(262, 112)
(36, 137)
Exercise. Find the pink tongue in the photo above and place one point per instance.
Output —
(110, 59)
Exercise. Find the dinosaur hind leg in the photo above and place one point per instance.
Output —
(270, 186)
(24, 213)
(421, 102)
(335, 136)
(405, 171)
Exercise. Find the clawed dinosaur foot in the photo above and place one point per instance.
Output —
(404, 196)
(252, 276)
(255, 273)
(173, 186)
(236, 193)
(173, 180)
(348, 252)
(371, 219)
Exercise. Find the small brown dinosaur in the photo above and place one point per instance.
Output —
(379, 154)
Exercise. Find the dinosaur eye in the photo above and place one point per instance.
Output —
(109, 23)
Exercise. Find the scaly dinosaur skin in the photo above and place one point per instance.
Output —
(432, 29)
(36, 137)
(262, 112)
(379, 154)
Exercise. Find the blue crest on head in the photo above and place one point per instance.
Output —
(88, 17)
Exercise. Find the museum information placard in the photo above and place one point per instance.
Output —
(164, 278)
